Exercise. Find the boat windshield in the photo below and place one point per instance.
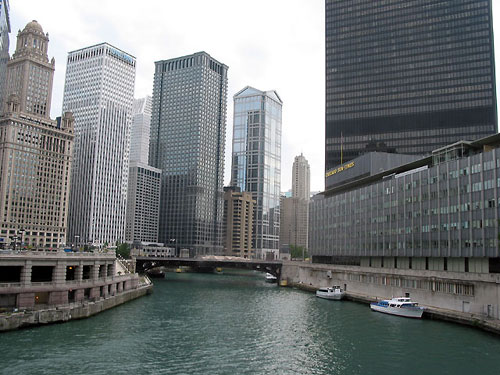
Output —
(409, 305)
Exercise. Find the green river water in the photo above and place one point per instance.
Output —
(235, 323)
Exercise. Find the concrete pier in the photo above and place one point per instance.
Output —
(64, 313)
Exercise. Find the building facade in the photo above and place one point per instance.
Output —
(301, 178)
(30, 73)
(295, 209)
(4, 48)
(294, 222)
(45, 280)
(188, 130)
(35, 151)
(407, 79)
(438, 213)
(139, 134)
(143, 203)
(256, 162)
(99, 90)
(238, 222)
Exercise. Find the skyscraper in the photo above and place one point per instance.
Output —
(256, 162)
(4, 48)
(99, 90)
(143, 193)
(295, 209)
(143, 203)
(238, 222)
(30, 73)
(294, 222)
(301, 178)
(407, 77)
(139, 134)
(35, 151)
(188, 130)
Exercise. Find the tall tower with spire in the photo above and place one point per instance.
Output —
(295, 209)
(30, 73)
(35, 151)
(301, 178)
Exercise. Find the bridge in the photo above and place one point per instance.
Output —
(273, 267)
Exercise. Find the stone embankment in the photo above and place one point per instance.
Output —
(64, 313)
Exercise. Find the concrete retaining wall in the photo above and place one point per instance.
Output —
(68, 312)
(481, 309)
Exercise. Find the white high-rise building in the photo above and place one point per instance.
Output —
(139, 134)
(301, 178)
(99, 90)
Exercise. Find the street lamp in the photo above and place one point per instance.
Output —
(77, 237)
(172, 240)
(22, 236)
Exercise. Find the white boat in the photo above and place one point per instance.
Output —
(271, 278)
(335, 292)
(401, 306)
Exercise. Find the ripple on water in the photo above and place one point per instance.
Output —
(224, 324)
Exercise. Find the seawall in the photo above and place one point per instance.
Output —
(470, 299)
(67, 312)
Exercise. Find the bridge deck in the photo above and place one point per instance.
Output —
(271, 266)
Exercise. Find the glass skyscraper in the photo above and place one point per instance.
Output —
(407, 76)
(256, 162)
(188, 130)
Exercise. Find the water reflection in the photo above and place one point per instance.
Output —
(238, 324)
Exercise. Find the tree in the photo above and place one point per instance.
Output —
(123, 250)
(298, 252)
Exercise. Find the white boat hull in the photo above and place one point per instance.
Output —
(332, 296)
(415, 312)
(271, 278)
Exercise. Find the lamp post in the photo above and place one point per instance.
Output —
(172, 240)
(22, 237)
(77, 237)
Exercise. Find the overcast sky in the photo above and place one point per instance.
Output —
(267, 44)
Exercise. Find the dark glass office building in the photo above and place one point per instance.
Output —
(407, 76)
(188, 130)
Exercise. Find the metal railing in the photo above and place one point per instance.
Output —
(144, 280)
(125, 264)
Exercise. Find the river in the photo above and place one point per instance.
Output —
(235, 323)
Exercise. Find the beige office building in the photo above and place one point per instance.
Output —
(238, 222)
(35, 151)
(301, 178)
(294, 220)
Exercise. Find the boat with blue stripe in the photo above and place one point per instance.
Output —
(401, 306)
